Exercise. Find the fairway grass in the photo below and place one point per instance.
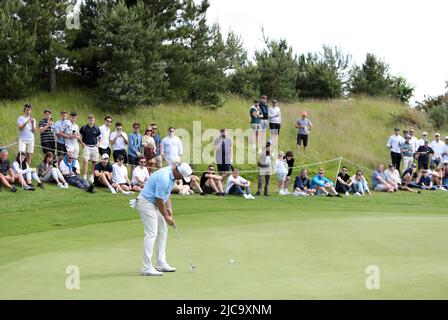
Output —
(281, 247)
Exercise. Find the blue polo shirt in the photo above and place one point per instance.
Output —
(159, 185)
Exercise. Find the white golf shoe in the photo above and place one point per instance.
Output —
(151, 272)
(165, 268)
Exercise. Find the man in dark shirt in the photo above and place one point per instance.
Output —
(343, 182)
(264, 121)
(289, 157)
(46, 129)
(425, 181)
(423, 153)
(91, 138)
(103, 173)
(302, 184)
(223, 153)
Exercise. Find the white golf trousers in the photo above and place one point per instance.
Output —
(156, 231)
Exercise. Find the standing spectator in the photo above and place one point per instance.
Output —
(413, 141)
(289, 157)
(103, 173)
(394, 145)
(70, 169)
(71, 134)
(445, 152)
(323, 185)
(46, 129)
(275, 121)
(302, 184)
(149, 148)
(60, 140)
(438, 146)
(157, 141)
(104, 146)
(237, 185)
(223, 153)
(421, 141)
(48, 171)
(119, 140)
(91, 139)
(6, 173)
(281, 169)
(360, 186)
(423, 153)
(407, 152)
(264, 169)
(379, 182)
(171, 148)
(27, 126)
(210, 182)
(139, 175)
(120, 179)
(344, 182)
(304, 125)
(255, 121)
(264, 120)
(22, 168)
(135, 146)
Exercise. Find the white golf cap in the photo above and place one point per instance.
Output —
(185, 170)
(105, 156)
(437, 134)
(424, 133)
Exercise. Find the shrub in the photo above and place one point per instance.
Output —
(438, 115)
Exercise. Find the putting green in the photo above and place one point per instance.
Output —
(281, 247)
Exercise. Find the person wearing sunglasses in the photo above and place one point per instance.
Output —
(70, 169)
(171, 148)
(103, 173)
(323, 185)
(139, 175)
(149, 148)
(135, 146)
(157, 141)
(360, 186)
(344, 182)
(104, 146)
(211, 182)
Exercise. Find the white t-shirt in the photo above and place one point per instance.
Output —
(438, 147)
(105, 133)
(119, 144)
(119, 174)
(141, 173)
(26, 133)
(414, 143)
(275, 115)
(420, 142)
(68, 127)
(172, 147)
(394, 143)
(65, 170)
(281, 166)
(231, 181)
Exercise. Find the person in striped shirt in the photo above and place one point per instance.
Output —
(407, 152)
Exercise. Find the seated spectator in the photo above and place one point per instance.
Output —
(48, 171)
(436, 177)
(444, 170)
(103, 173)
(181, 188)
(139, 175)
(210, 182)
(302, 185)
(281, 168)
(359, 184)
(21, 167)
(237, 185)
(323, 185)
(393, 177)
(70, 169)
(120, 179)
(379, 182)
(425, 182)
(344, 182)
(194, 184)
(410, 176)
(7, 176)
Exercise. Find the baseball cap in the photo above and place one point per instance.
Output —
(105, 156)
(397, 129)
(424, 133)
(445, 161)
(446, 137)
(185, 170)
(437, 135)
(304, 113)
(413, 165)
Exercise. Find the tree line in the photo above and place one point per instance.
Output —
(148, 51)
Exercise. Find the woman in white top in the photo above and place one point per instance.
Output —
(48, 172)
(20, 166)
(120, 179)
(360, 184)
(275, 120)
(281, 168)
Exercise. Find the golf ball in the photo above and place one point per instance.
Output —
(232, 261)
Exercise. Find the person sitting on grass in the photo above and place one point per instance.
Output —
(210, 182)
(425, 182)
(410, 175)
(444, 170)
(436, 177)
(139, 175)
(323, 185)
(302, 185)
(70, 169)
(103, 173)
(120, 179)
(7, 176)
(359, 185)
(237, 185)
(194, 184)
(393, 177)
(21, 167)
(379, 181)
(281, 168)
(48, 171)
(344, 182)
(181, 188)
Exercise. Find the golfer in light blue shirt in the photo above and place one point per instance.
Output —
(154, 207)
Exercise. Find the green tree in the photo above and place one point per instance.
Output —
(18, 64)
(245, 81)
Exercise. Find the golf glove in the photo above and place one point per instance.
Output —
(133, 203)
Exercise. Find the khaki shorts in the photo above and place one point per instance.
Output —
(26, 146)
(90, 153)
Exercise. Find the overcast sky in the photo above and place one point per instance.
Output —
(410, 36)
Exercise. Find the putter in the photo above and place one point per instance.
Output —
(192, 266)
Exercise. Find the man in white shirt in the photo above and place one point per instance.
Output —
(394, 145)
(439, 148)
(139, 175)
(171, 148)
(275, 120)
(27, 126)
(70, 133)
(120, 179)
(413, 141)
(421, 142)
(119, 140)
(445, 153)
(104, 146)
(237, 185)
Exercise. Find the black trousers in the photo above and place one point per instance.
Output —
(396, 160)
(342, 188)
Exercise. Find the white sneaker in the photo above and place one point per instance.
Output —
(347, 194)
(112, 190)
(442, 188)
(286, 191)
(165, 268)
(60, 185)
(125, 192)
(66, 186)
(152, 272)
(358, 194)
(246, 196)
(84, 177)
(251, 197)
(91, 179)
